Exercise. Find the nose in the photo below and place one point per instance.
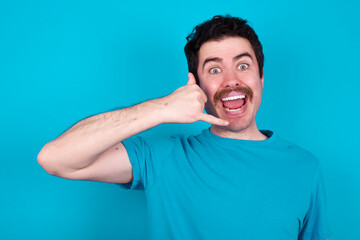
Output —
(230, 79)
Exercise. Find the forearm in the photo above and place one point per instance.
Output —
(83, 143)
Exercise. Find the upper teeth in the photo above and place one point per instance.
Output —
(233, 98)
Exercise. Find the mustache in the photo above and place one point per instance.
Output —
(218, 95)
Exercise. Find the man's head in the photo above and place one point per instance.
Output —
(226, 58)
(215, 29)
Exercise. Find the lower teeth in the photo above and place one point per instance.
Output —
(233, 110)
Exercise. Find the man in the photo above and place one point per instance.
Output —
(232, 181)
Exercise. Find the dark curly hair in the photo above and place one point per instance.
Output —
(215, 29)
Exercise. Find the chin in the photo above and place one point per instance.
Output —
(237, 123)
(236, 127)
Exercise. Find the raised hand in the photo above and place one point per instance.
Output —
(186, 105)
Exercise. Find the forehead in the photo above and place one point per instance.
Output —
(224, 48)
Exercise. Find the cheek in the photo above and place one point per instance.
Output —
(258, 87)
(209, 92)
(210, 104)
(259, 96)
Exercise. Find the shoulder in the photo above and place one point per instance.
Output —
(302, 156)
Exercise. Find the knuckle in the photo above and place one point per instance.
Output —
(200, 98)
(205, 98)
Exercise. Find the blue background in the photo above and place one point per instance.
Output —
(61, 61)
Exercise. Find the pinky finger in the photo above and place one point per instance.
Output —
(213, 120)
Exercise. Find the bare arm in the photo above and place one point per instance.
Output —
(92, 148)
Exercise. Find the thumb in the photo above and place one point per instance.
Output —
(192, 79)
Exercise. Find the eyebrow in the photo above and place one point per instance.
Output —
(246, 54)
(216, 59)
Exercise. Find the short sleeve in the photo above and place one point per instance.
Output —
(315, 225)
(147, 157)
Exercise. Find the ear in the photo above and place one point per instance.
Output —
(262, 78)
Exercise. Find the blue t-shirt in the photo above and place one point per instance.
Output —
(209, 187)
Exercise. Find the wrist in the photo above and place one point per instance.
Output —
(160, 110)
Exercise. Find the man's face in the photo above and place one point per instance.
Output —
(229, 75)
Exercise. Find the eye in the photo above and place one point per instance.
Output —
(243, 66)
(215, 70)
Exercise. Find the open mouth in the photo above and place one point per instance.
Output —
(234, 103)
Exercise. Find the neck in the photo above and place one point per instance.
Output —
(249, 133)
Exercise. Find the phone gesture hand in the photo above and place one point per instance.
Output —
(186, 105)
